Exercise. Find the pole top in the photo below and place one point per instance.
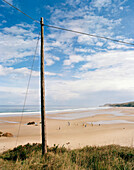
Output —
(41, 22)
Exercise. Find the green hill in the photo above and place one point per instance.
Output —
(128, 104)
(93, 158)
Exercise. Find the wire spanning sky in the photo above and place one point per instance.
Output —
(81, 71)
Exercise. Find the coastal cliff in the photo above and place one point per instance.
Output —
(128, 104)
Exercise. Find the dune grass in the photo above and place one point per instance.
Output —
(96, 158)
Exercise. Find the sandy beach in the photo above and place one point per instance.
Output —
(115, 126)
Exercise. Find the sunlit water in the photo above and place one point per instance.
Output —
(78, 113)
(110, 122)
(7, 111)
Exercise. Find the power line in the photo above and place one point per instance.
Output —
(91, 35)
(20, 11)
(27, 88)
(73, 31)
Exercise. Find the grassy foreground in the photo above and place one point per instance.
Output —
(106, 157)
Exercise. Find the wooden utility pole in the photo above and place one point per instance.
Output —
(43, 119)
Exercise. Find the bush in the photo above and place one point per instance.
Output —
(106, 157)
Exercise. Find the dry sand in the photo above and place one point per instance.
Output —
(74, 136)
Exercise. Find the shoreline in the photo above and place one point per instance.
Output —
(73, 134)
(18, 113)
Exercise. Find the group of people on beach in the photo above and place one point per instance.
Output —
(84, 125)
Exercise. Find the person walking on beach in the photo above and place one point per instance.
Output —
(68, 123)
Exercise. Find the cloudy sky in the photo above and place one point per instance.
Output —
(81, 71)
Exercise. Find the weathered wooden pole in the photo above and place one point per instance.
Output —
(43, 119)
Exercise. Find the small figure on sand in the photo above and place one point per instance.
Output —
(59, 127)
(91, 124)
(68, 123)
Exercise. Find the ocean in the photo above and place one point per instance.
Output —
(16, 110)
(68, 113)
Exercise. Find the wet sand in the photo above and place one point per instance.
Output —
(74, 133)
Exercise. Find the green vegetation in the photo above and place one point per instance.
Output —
(129, 104)
(96, 158)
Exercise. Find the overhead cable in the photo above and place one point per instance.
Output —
(73, 31)
(28, 84)
(91, 35)
(20, 11)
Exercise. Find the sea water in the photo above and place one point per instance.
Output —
(17, 110)
(79, 115)
(106, 122)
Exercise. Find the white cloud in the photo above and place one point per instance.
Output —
(72, 2)
(10, 1)
(73, 59)
(122, 2)
(52, 74)
(14, 82)
(4, 21)
(49, 62)
(5, 4)
(121, 8)
(61, 90)
(82, 20)
(10, 71)
(99, 44)
(114, 73)
(20, 42)
(109, 58)
(84, 50)
(112, 45)
(102, 71)
(67, 90)
(16, 95)
(50, 59)
(20, 72)
(101, 3)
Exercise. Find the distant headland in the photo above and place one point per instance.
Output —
(128, 104)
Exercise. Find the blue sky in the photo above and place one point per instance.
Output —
(81, 71)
